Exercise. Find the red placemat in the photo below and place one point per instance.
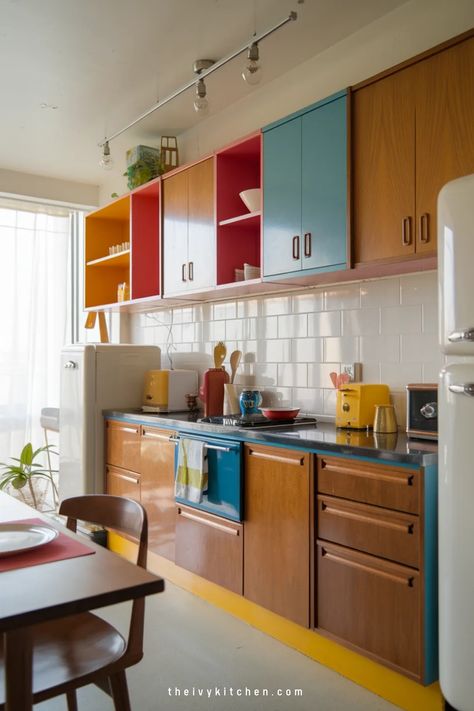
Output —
(61, 548)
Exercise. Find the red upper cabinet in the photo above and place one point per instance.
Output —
(145, 233)
(238, 168)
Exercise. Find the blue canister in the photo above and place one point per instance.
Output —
(250, 401)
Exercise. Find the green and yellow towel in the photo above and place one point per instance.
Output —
(191, 477)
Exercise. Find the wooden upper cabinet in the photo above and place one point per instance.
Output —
(444, 131)
(277, 531)
(175, 231)
(201, 226)
(383, 121)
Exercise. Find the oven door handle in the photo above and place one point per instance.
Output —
(218, 448)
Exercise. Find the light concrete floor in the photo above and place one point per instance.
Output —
(191, 644)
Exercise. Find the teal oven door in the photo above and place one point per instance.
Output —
(224, 492)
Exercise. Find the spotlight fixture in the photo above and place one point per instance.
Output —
(205, 67)
(200, 102)
(106, 162)
(252, 72)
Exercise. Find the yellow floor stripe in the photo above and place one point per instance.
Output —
(384, 682)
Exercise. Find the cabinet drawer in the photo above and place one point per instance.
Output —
(372, 604)
(123, 445)
(210, 546)
(120, 482)
(388, 534)
(378, 484)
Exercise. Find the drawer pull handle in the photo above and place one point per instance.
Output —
(396, 478)
(276, 458)
(207, 522)
(402, 580)
(155, 435)
(134, 430)
(132, 479)
(366, 518)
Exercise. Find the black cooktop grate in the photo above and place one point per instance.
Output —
(255, 421)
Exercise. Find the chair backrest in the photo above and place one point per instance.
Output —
(124, 516)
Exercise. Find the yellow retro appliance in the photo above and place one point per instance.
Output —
(355, 406)
(166, 390)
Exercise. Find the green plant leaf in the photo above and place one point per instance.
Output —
(26, 456)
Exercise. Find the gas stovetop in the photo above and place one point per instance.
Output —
(255, 421)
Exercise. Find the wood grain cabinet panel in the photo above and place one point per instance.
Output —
(157, 455)
(444, 131)
(277, 531)
(210, 546)
(388, 534)
(120, 482)
(388, 486)
(383, 125)
(175, 232)
(123, 445)
(371, 604)
(201, 228)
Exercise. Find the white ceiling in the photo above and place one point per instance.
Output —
(102, 62)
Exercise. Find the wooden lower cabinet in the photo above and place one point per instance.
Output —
(122, 445)
(157, 464)
(277, 530)
(210, 546)
(372, 604)
(120, 482)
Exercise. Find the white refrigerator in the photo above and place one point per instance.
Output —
(456, 442)
(95, 377)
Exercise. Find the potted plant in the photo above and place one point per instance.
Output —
(27, 471)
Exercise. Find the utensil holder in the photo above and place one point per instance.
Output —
(385, 421)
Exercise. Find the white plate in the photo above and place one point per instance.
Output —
(21, 537)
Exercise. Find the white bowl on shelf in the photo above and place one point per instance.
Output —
(252, 199)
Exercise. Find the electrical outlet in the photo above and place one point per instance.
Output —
(354, 370)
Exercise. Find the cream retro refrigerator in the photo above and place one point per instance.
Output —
(456, 442)
(95, 377)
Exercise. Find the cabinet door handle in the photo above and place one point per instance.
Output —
(207, 522)
(296, 247)
(191, 271)
(401, 579)
(183, 272)
(155, 435)
(133, 430)
(307, 244)
(366, 518)
(398, 478)
(277, 458)
(406, 231)
(425, 228)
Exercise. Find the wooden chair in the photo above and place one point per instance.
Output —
(84, 649)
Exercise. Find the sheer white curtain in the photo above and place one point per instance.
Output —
(35, 273)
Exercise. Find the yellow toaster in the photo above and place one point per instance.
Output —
(355, 405)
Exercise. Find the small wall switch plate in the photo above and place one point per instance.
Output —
(354, 370)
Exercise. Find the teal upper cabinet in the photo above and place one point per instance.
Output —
(305, 191)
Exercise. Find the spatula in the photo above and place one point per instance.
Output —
(235, 357)
(220, 352)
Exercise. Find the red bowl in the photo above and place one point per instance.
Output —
(280, 413)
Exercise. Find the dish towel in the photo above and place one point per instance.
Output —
(191, 477)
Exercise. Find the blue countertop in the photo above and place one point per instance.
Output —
(322, 437)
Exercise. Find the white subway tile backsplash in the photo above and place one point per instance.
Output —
(274, 351)
(325, 323)
(293, 326)
(307, 350)
(276, 305)
(291, 343)
(419, 288)
(361, 322)
(342, 297)
(401, 319)
(341, 350)
(293, 375)
(382, 292)
(309, 302)
(379, 349)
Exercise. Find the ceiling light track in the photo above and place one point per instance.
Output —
(202, 75)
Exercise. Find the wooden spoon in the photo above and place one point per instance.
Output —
(333, 377)
(220, 352)
(235, 357)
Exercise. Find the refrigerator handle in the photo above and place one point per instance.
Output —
(463, 389)
(70, 364)
(456, 336)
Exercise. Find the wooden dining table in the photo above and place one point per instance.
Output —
(39, 593)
